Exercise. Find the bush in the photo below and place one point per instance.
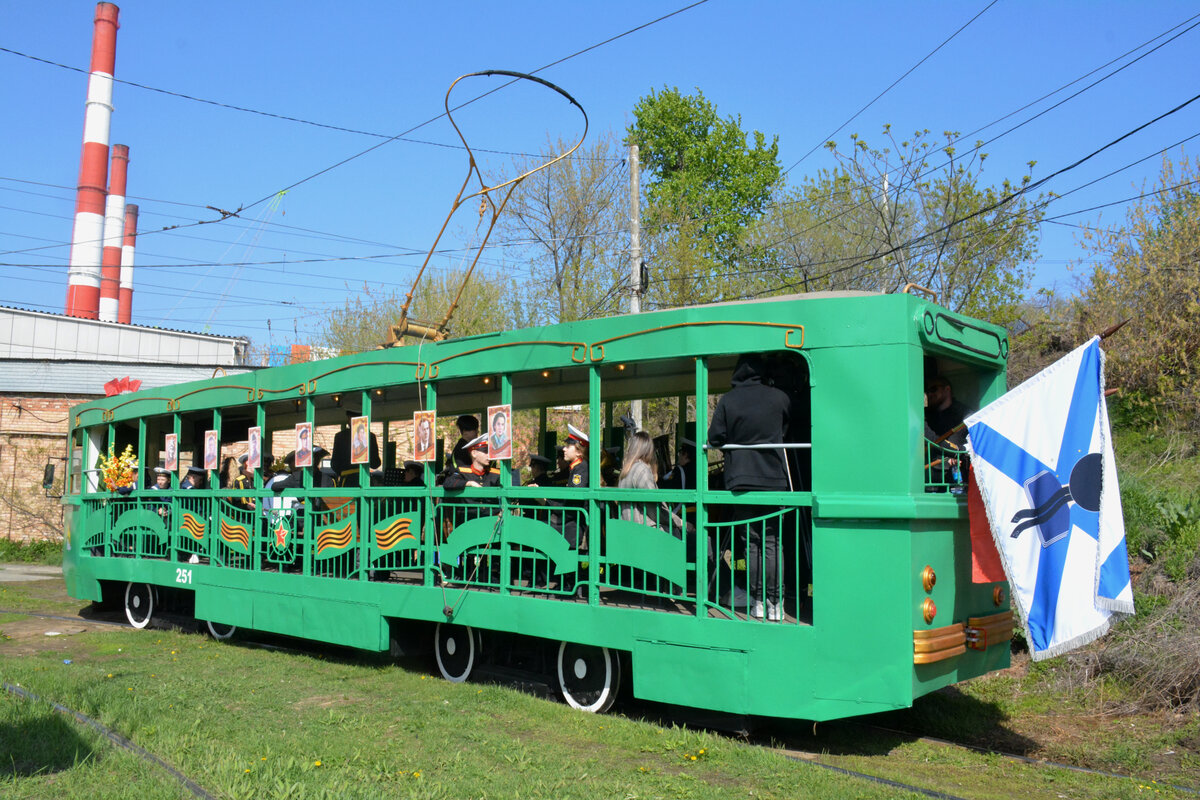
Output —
(1157, 655)
(39, 552)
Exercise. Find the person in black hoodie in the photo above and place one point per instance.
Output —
(754, 413)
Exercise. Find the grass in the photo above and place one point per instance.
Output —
(245, 722)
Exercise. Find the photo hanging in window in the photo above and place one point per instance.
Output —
(360, 440)
(424, 439)
(304, 444)
(171, 462)
(211, 451)
(254, 448)
(500, 432)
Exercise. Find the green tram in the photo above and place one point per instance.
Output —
(877, 603)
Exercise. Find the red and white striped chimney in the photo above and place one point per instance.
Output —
(125, 307)
(83, 276)
(114, 225)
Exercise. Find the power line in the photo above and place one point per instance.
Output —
(477, 98)
(284, 117)
(854, 116)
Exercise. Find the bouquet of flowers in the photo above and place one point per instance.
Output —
(120, 471)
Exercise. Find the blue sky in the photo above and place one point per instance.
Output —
(792, 69)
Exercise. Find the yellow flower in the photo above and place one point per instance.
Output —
(247, 770)
(317, 763)
(417, 774)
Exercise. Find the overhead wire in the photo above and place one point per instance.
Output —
(893, 85)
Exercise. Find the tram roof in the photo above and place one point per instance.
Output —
(679, 333)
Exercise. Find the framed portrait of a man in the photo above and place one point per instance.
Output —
(500, 431)
(304, 444)
(254, 448)
(360, 440)
(212, 453)
(424, 440)
(171, 446)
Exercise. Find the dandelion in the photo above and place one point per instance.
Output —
(247, 770)
(417, 774)
(317, 763)
(264, 758)
(110, 674)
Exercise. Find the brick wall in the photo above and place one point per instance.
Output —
(33, 431)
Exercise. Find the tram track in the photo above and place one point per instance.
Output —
(775, 742)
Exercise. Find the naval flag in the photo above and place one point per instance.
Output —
(1043, 459)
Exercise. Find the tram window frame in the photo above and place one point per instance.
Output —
(673, 379)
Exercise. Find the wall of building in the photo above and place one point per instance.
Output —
(33, 431)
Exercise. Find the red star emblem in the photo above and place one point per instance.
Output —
(281, 536)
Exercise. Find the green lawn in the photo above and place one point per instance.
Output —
(245, 722)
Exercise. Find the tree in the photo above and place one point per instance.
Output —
(706, 185)
(910, 212)
(1147, 270)
(362, 323)
(574, 214)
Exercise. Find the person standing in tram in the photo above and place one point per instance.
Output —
(538, 465)
(244, 481)
(755, 413)
(574, 523)
(468, 431)
(196, 478)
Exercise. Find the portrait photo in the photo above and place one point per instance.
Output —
(500, 431)
(171, 462)
(360, 440)
(212, 453)
(304, 450)
(424, 440)
(254, 448)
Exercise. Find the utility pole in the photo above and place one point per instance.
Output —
(635, 256)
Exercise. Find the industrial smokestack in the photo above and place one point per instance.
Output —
(125, 308)
(114, 224)
(83, 277)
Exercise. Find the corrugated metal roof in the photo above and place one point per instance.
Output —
(38, 335)
(49, 377)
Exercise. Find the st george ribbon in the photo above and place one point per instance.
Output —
(1042, 456)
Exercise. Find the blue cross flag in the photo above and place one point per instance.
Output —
(1043, 459)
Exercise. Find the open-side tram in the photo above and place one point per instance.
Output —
(877, 605)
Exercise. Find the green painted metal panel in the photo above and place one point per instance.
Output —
(647, 548)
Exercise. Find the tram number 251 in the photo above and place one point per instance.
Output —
(183, 575)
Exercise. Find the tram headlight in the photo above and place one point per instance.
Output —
(928, 610)
(998, 596)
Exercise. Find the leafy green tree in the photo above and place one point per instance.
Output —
(362, 323)
(912, 211)
(706, 184)
(1147, 269)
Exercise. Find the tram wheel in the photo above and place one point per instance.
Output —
(456, 648)
(139, 604)
(219, 630)
(588, 677)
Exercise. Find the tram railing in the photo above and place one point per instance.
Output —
(653, 549)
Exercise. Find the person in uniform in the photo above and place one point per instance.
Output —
(538, 471)
(468, 431)
(162, 479)
(574, 524)
(562, 469)
(478, 475)
(413, 474)
(244, 481)
(196, 478)
(753, 412)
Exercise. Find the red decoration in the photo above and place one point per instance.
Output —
(121, 385)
